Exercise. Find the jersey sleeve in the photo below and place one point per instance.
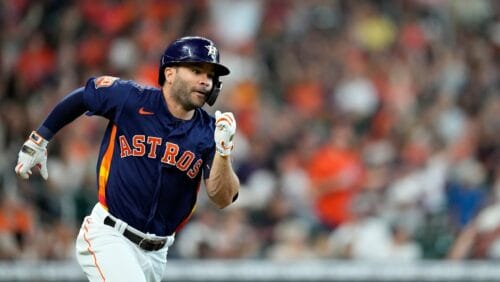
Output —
(105, 96)
(209, 158)
(67, 110)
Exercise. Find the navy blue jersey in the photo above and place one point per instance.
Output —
(150, 163)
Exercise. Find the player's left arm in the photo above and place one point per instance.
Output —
(222, 184)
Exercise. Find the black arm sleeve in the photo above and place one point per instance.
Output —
(71, 107)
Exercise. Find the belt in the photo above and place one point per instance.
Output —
(143, 243)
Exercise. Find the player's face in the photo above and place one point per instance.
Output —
(192, 84)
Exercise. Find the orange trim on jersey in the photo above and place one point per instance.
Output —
(105, 166)
(190, 214)
(90, 250)
(186, 219)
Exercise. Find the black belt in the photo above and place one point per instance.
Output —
(143, 243)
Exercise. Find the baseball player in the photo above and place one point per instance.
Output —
(157, 147)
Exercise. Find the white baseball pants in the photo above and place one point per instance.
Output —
(106, 255)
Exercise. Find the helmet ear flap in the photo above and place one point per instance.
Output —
(212, 97)
(161, 75)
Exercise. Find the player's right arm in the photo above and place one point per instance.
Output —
(223, 184)
(95, 98)
(34, 150)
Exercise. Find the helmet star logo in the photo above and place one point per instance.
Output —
(212, 50)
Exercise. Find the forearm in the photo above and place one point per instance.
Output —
(222, 184)
(67, 110)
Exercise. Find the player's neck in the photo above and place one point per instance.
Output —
(176, 109)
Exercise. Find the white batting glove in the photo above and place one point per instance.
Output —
(225, 128)
(33, 153)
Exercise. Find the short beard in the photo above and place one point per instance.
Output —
(181, 94)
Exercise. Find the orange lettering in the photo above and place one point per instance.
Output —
(154, 142)
(196, 168)
(171, 151)
(185, 160)
(125, 149)
(139, 147)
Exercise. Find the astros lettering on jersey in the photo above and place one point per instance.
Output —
(148, 158)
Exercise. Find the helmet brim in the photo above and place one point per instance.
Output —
(220, 70)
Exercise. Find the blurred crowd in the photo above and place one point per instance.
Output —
(366, 129)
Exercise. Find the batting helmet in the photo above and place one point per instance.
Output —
(194, 49)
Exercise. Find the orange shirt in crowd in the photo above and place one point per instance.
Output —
(15, 219)
(335, 175)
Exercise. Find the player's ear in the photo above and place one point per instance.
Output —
(169, 73)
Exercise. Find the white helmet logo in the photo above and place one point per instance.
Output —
(212, 51)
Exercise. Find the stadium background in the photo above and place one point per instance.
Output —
(394, 105)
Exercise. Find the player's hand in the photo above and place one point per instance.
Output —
(33, 153)
(225, 128)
